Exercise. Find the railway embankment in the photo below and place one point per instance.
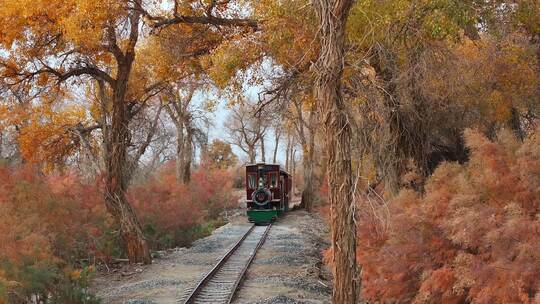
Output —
(286, 269)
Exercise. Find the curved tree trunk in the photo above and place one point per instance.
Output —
(116, 174)
(116, 179)
(333, 16)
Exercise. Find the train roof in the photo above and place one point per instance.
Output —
(266, 164)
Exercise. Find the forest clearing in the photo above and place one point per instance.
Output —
(269, 151)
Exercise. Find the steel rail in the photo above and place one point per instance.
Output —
(193, 295)
(241, 276)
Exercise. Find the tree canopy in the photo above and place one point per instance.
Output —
(410, 116)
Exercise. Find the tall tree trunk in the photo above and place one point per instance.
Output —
(307, 163)
(116, 181)
(291, 157)
(293, 160)
(104, 103)
(333, 16)
(276, 146)
(180, 151)
(287, 153)
(308, 148)
(252, 154)
(263, 153)
(515, 124)
(188, 155)
(1, 144)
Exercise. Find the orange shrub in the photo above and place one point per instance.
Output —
(474, 236)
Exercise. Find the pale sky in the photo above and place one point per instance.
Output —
(219, 131)
(251, 92)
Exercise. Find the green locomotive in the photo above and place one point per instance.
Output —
(268, 192)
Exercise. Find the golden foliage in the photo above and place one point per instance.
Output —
(81, 22)
(487, 76)
(48, 136)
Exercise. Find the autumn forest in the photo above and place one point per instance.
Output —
(410, 128)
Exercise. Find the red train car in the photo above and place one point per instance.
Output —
(268, 192)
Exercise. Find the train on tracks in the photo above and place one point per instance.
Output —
(268, 192)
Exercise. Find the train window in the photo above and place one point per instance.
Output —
(273, 180)
(252, 181)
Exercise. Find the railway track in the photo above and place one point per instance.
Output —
(220, 284)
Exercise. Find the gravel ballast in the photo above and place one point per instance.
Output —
(287, 268)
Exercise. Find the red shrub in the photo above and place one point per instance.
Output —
(46, 225)
(171, 212)
(473, 237)
(49, 223)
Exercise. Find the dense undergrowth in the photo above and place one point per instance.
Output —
(55, 229)
(472, 236)
(175, 214)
